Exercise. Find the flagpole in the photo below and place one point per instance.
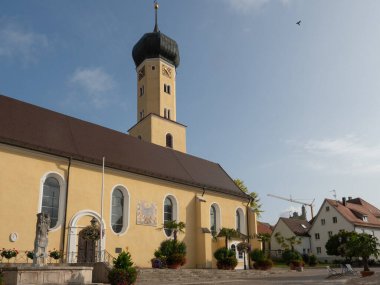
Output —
(101, 211)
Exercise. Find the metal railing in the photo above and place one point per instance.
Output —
(66, 258)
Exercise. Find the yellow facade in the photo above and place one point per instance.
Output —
(22, 178)
(156, 105)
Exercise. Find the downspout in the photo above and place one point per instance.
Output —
(248, 232)
(67, 198)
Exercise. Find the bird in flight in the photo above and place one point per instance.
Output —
(299, 23)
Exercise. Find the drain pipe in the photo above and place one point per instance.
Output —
(67, 198)
(248, 232)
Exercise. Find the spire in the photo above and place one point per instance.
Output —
(156, 30)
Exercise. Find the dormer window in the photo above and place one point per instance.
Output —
(365, 218)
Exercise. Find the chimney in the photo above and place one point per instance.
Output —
(344, 201)
(303, 215)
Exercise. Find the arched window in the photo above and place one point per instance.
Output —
(168, 213)
(240, 221)
(213, 219)
(50, 200)
(169, 140)
(117, 211)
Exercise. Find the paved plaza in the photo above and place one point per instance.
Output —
(275, 276)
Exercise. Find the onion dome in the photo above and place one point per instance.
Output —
(156, 45)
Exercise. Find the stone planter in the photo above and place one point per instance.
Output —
(174, 266)
(366, 273)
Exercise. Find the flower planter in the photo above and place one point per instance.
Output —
(174, 266)
(366, 273)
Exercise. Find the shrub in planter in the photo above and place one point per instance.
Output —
(296, 264)
(263, 264)
(123, 273)
(171, 253)
(257, 255)
(226, 258)
(313, 260)
(290, 255)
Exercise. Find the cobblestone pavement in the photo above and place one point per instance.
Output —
(287, 277)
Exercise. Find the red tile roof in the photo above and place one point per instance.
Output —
(355, 209)
(297, 226)
(32, 127)
(264, 228)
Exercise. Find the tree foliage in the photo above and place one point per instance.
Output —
(353, 244)
(228, 234)
(337, 244)
(255, 201)
(287, 243)
(176, 227)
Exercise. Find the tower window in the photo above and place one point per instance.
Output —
(169, 140)
(165, 113)
(153, 67)
(167, 88)
(141, 114)
(142, 90)
(139, 137)
(169, 114)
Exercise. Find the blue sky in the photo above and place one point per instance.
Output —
(290, 110)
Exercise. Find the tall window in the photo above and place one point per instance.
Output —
(335, 220)
(168, 213)
(117, 210)
(213, 219)
(169, 140)
(50, 200)
(169, 114)
(238, 221)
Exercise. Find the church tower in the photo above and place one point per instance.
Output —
(156, 57)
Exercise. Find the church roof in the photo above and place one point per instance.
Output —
(32, 127)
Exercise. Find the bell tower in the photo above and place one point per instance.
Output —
(156, 57)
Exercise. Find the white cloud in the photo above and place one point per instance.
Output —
(346, 155)
(93, 83)
(16, 42)
(247, 6)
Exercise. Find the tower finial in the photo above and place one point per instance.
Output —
(155, 12)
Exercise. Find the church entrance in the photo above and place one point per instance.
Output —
(87, 242)
(86, 249)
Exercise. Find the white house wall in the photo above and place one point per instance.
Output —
(323, 230)
(281, 227)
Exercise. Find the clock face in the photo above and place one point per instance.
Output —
(167, 71)
(141, 73)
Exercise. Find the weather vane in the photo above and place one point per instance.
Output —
(156, 6)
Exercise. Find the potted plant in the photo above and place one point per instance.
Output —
(123, 272)
(226, 258)
(171, 253)
(363, 245)
(9, 253)
(30, 254)
(55, 254)
(260, 260)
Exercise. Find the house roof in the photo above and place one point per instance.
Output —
(32, 127)
(355, 209)
(264, 228)
(297, 226)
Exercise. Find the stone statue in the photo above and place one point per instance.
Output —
(41, 240)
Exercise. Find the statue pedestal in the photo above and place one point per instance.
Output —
(30, 275)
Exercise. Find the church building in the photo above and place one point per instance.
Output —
(130, 184)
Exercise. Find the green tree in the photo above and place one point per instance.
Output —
(176, 227)
(287, 243)
(338, 244)
(363, 245)
(228, 234)
(264, 239)
(255, 201)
